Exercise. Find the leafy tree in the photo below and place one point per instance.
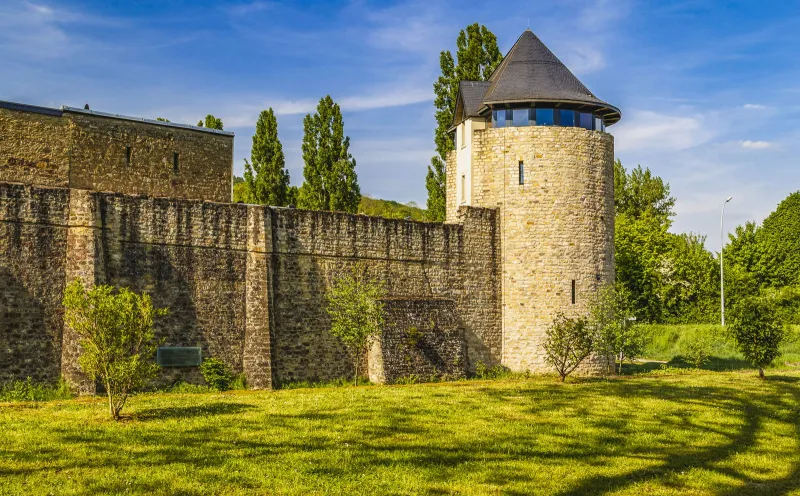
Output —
(779, 240)
(265, 175)
(569, 342)
(115, 327)
(161, 119)
(211, 122)
(756, 327)
(390, 209)
(239, 190)
(356, 311)
(640, 247)
(330, 176)
(611, 316)
(641, 192)
(477, 56)
(689, 290)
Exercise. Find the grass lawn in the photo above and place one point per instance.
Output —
(692, 433)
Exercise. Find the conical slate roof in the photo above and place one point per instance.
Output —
(530, 73)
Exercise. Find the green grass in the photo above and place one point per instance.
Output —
(702, 433)
(667, 343)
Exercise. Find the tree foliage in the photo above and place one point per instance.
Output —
(356, 311)
(477, 56)
(568, 343)
(210, 122)
(265, 175)
(779, 242)
(755, 325)
(330, 177)
(115, 328)
(611, 318)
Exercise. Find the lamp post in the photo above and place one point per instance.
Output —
(721, 266)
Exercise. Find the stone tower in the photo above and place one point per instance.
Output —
(532, 142)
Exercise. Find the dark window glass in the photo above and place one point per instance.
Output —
(573, 291)
(521, 172)
(520, 117)
(586, 121)
(532, 117)
(127, 155)
(498, 118)
(567, 118)
(544, 117)
(598, 124)
(175, 162)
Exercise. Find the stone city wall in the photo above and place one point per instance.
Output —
(411, 259)
(421, 339)
(34, 147)
(245, 283)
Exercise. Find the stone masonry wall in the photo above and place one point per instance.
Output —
(421, 338)
(412, 259)
(205, 159)
(33, 240)
(34, 148)
(245, 283)
(556, 228)
(86, 151)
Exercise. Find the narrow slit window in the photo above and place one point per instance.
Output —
(573, 291)
(127, 155)
(175, 162)
(463, 189)
(521, 172)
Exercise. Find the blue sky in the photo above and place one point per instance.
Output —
(709, 91)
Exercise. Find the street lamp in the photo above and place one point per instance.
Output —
(721, 267)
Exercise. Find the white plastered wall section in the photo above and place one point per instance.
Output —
(464, 152)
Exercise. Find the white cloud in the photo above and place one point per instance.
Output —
(754, 106)
(644, 129)
(756, 145)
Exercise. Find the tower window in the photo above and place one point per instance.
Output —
(573, 291)
(567, 118)
(520, 117)
(127, 155)
(545, 117)
(463, 134)
(175, 162)
(463, 189)
(521, 172)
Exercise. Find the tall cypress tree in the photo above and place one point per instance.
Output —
(330, 177)
(477, 56)
(265, 175)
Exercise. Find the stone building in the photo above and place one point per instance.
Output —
(86, 149)
(529, 232)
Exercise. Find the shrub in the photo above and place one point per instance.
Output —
(611, 320)
(755, 325)
(217, 374)
(569, 342)
(28, 390)
(115, 329)
(696, 349)
(356, 311)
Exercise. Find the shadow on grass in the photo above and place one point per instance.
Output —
(184, 412)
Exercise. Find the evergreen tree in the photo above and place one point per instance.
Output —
(211, 122)
(477, 56)
(265, 175)
(330, 180)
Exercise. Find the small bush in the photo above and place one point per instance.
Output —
(217, 374)
(696, 349)
(756, 326)
(28, 390)
(409, 379)
(569, 342)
